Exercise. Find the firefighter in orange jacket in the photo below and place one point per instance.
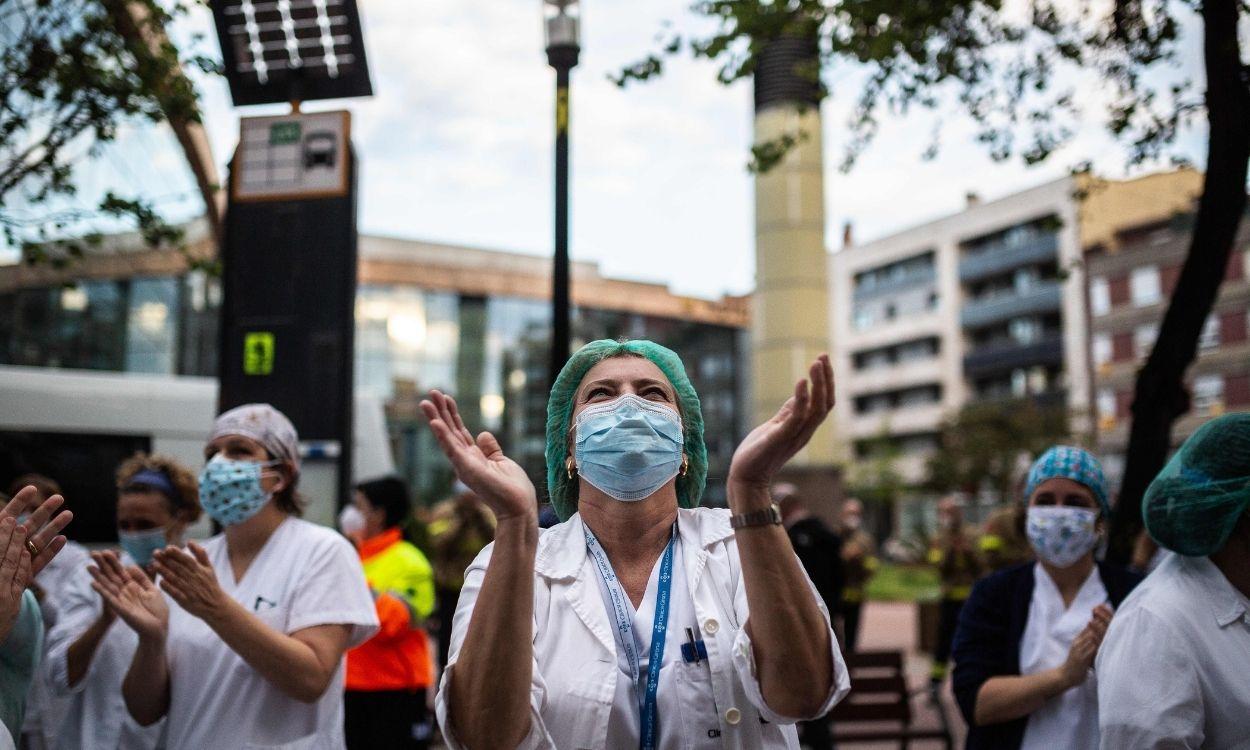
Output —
(389, 675)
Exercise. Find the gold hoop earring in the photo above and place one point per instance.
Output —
(570, 468)
(685, 465)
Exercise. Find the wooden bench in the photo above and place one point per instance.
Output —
(879, 704)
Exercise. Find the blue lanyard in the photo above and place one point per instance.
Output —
(647, 735)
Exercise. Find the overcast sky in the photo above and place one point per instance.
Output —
(456, 145)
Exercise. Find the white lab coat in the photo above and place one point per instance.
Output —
(575, 661)
(1174, 668)
(95, 714)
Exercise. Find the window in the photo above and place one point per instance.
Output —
(1236, 270)
(1099, 296)
(1026, 279)
(863, 318)
(1208, 394)
(919, 396)
(1122, 347)
(1025, 330)
(1144, 286)
(1019, 383)
(1119, 292)
(150, 329)
(1169, 276)
(1210, 337)
(917, 350)
(1106, 407)
(1101, 349)
(1123, 404)
(1237, 390)
(1144, 339)
(1233, 327)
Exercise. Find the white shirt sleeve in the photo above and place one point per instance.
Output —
(538, 738)
(79, 606)
(332, 591)
(744, 656)
(1148, 692)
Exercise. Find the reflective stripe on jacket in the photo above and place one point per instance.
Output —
(398, 657)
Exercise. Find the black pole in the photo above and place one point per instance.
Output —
(562, 58)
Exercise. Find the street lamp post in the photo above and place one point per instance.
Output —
(562, 25)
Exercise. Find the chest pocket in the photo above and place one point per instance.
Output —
(272, 610)
(698, 705)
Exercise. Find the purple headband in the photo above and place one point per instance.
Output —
(152, 479)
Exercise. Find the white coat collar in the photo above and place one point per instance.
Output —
(1226, 605)
(562, 548)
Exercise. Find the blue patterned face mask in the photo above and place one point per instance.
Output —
(1061, 535)
(140, 545)
(230, 490)
(628, 447)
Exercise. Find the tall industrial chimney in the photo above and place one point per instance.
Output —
(791, 305)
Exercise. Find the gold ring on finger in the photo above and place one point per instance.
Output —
(32, 549)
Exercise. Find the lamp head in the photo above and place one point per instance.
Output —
(562, 23)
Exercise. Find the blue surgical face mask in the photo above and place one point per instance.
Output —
(628, 447)
(230, 490)
(141, 544)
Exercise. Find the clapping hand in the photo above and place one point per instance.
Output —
(480, 463)
(190, 580)
(131, 594)
(42, 531)
(769, 446)
(1085, 647)
(14, 572)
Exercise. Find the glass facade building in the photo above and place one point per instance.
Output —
(487, 349)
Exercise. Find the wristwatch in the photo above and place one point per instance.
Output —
(765, 517)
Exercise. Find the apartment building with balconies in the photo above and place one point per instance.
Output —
(1131, 277)
(987, 304)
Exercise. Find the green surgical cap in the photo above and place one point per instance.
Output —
(562, 490)
(1193, 505)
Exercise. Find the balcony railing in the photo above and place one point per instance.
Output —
(1009, 355)
(910, 280)
(1045, 297)
(998, 259)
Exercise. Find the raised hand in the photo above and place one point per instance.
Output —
(1085, 646)
(190, 580)
(480, 463)
(42, 529)
(131, 594)
(15, 572)
(768, 447)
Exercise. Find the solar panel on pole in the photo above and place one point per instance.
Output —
(291, 50)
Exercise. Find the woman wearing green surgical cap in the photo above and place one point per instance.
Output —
(642, 620)
(1174, 670)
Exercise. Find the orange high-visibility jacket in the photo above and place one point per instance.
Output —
(398, 657)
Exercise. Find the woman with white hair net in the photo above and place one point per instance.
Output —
(1174, 669)
(241, 641)
(642, 620)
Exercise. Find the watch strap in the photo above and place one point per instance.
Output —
(769, 516)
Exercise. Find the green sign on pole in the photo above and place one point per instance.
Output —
(258, 353)
(284, 133)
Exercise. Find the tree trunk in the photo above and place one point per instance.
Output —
(1160, 395)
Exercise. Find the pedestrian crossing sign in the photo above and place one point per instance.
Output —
(258, 353)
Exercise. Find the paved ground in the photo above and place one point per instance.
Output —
(892, 626)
